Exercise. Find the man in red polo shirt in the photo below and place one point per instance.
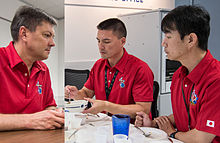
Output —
(120, 82)
(195, 89)
(26, 97)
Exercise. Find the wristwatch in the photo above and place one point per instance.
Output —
(172, 135)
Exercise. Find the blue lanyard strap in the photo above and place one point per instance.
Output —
(187, 107)
(108, 90)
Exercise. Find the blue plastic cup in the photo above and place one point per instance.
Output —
(120, 124)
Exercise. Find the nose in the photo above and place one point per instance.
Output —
(164, 44)
(100, 45)
(52, 43)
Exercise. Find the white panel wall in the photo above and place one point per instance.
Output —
(81, 19)
(8, 8)
(7, 11)
(60, 95)
(81, 48)
(5, 35)
(55, 60)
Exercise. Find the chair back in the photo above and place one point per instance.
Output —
(76, 77)
(154, 111)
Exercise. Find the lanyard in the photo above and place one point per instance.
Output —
(187, 107)
(108, 90)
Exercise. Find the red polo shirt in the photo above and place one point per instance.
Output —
(204, 108)
(134, 74)
(19, 92)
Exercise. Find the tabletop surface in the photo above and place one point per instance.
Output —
(98, 129)
(32, 136)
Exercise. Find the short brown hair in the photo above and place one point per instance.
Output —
(30, 18)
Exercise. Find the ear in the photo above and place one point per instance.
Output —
(23, 33)
(123, 41)
(192, 40)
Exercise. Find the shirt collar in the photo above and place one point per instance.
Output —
(15, 59)
(196, 74)
(121, 64)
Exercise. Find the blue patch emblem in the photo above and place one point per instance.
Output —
(122, 85)
(122, 82)
(39, 87)
(194, 98)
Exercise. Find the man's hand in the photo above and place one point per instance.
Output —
(71, 92)
(97, 106)
(164, 124)
(142, 119)
(47, 119)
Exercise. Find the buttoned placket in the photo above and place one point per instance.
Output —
(111, 75)
(27, 79)
(187, 88)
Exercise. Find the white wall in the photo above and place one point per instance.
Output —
(7, 11)
(81, 18)
(80, 33)
(5, 35)
(61, 63)
(55, 60)
(55, 64)
(8, 8)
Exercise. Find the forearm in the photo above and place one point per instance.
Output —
(195, 136)
(50, 108)
(125, 109)
(13, 121)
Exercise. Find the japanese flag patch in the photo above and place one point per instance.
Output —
(210, 123)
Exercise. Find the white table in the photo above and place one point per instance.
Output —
(99, 130)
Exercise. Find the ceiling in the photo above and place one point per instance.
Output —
(54, 8)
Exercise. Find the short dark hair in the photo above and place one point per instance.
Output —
(114, 24)
(186, 20)
(30, 18)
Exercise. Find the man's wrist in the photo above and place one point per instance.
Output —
(173, 135)
(106, 104)
(154, 124)
(28, 121)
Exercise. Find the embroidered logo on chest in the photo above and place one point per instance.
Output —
(194, 98)
(122, 82)
(39, 87)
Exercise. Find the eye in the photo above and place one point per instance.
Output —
(168, 36)
(48, 35)
(106, 41)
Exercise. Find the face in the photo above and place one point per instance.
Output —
(110, 46)
(174, 47)
(40, 41)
